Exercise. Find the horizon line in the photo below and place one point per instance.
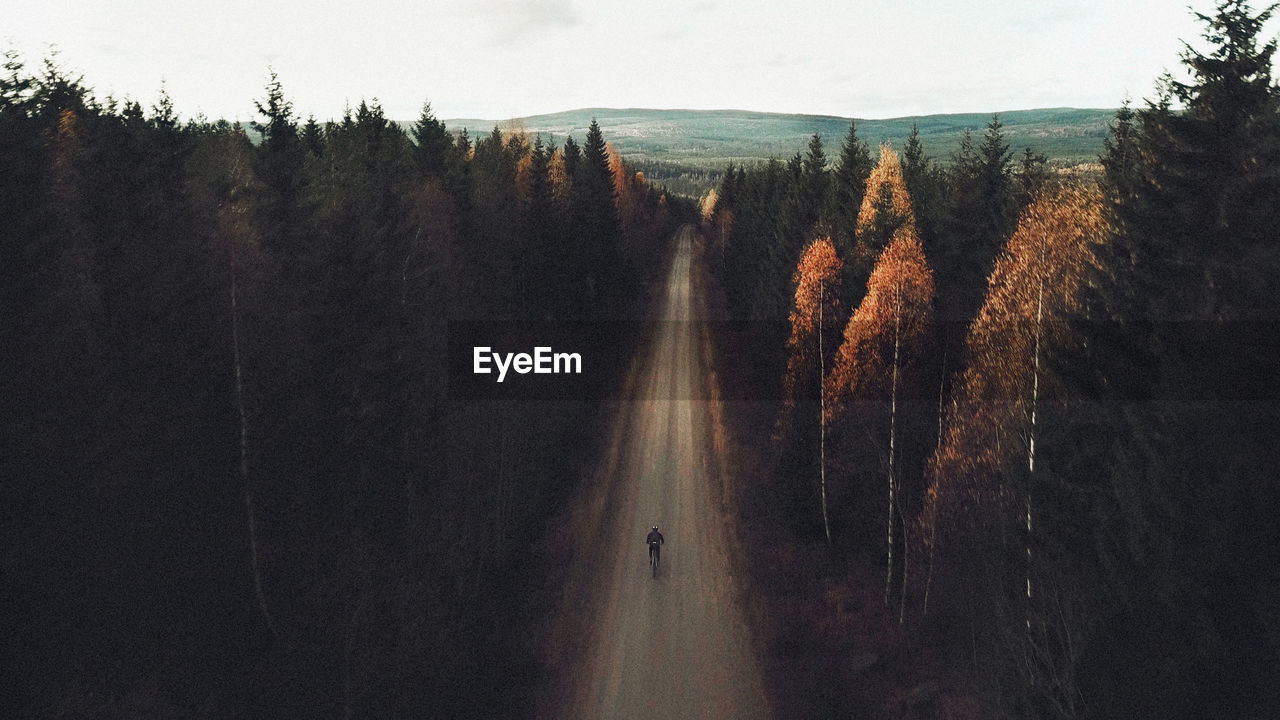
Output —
(769, 112)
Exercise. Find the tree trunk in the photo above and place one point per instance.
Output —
(822, 417)
(259, 593)
(893, 427)
(933, 529)
(1031, 447)
(906, 560)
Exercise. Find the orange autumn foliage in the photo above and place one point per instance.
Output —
(524, 168)
(628, 193)
(707, 207)
(817, 281)
(1041, 272)
(558, 176)
(887, 172)
(899, 297)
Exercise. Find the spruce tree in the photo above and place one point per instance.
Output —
(979, 217)
(1219, 164)
(542, 261)
(433, 143)
(280, 167)
(1180, 354)
(848, 185)
(597, 222)
(1120, 153)
(1032, 175)
(805, 193)
(572, 157)
(914, 163)
(995, 186)
(815, 177)
(496, 223)
(921, 177)
(727, 192)
(313, 137)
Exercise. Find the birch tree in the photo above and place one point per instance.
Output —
(223, 179)
(888, 333)
(817, 307)
(977, 482)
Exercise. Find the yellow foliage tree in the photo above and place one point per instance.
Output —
(817, 306)
(888, 332)
(558, 175)
(886, 206)
(629, 192)
(975, 476)
(708, 205)
(899, 300)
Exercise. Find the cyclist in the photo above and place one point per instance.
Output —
(654, 541)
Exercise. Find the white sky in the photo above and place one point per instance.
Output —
(496, 59)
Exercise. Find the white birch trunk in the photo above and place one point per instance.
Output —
(1031, 445)
(893, 426)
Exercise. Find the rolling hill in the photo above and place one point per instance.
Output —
(687, 149)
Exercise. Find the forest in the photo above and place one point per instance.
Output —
(236, 481)
(1003, 432)
(1017, 425)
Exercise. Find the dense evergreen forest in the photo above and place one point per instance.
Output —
(1024, 433)
(236, 482)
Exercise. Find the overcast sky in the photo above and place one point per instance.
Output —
(496, 59)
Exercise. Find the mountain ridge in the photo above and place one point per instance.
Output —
(687, 150)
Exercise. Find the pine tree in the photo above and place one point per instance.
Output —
(494, 247)
(543, 259)
(313, 137)
(848, 185)
(995, 186)
(1185, 310)
(1210, 175)
(815, 179)
(572, 157)
(1120, 153)
(280, 167)
(596, 216)
(730, 186)
(805, 197)
(922, 178)
(1032, 176)
(980, 210)
(915, 166)
(433, 143)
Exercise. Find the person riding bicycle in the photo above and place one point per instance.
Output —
(654, 540)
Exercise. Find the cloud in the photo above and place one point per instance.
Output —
(785, 60)
(512, 20)
(111, 50)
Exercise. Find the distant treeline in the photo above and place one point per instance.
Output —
(235, 482)
(1039, 406)
(694, 143)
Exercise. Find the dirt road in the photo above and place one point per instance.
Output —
(629, 645)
